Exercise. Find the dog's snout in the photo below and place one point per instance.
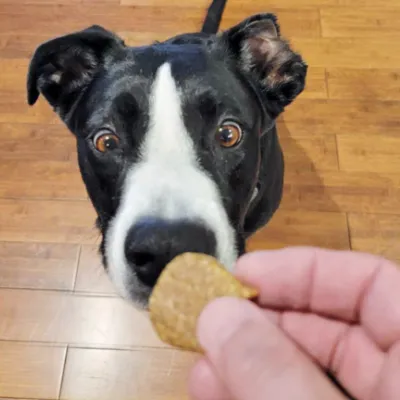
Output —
(152, 243)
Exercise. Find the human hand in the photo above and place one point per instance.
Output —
(333, 311)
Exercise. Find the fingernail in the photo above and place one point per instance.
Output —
(222, 318)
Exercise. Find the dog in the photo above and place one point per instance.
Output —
(177, 142)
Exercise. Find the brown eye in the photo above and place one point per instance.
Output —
(229, 134)
(106, 141)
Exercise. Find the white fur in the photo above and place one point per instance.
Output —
(168, 183)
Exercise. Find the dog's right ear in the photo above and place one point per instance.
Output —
(63, 67)
(260, 51)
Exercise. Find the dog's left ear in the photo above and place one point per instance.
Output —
(62, 68)
(260, 50)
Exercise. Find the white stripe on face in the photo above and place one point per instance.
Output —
(167, 183)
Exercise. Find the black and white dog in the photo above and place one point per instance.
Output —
(177, 143)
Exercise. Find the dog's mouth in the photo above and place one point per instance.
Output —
(137, 293)
(148, 246)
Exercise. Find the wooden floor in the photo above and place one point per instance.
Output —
(63, 332)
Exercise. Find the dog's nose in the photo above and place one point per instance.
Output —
(152, 243)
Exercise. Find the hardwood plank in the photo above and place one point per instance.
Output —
(369, 3)
(275, 3)
(293, 22)
(37, 142)
(41, 180)
(202, 4)
(39, 161)
(142, 374)
(47, 221)
(367, 153)
(355, 22)
(38, 265)
(67, 2)
(114, 3)
(316, 87)
(240, 3)
(13, 74)
(30, 371)
(2, 42)
(342, 191)
(60, 19)
(41, 316)
(378, 234)
(307, 117)
(21, 45)
(42, 2)
(301, 228)
(317, 128)
(91, 277)
(14, 108)
(374, 84)
(310, 153)
(349, 52)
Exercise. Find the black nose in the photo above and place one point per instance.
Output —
(152, 243)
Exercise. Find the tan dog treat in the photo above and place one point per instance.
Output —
(185, 287)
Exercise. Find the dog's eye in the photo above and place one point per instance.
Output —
(229, 134)
(106, 141)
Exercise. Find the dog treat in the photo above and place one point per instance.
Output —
(184, 288)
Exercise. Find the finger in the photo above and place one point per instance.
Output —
(253, 357)
(204, 384)
(346, 350)
(389, 382)
(354, 287)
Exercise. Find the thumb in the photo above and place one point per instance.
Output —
(253, 357)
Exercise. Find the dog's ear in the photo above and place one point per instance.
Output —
(62, 68)
(260, 50)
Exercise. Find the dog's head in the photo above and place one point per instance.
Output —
(168, 136)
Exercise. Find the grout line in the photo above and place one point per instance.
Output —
(348, 231)
(35, 343)
(47, 242)
(19, 398)
(79, 293)
(120, 348)
(55, 199)
(78, 261)
(86, 346)
(63, 372)
(337, 212)
(327, 84)
(44, 243)
(320, 23)
(337, 153)
(290, 209)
